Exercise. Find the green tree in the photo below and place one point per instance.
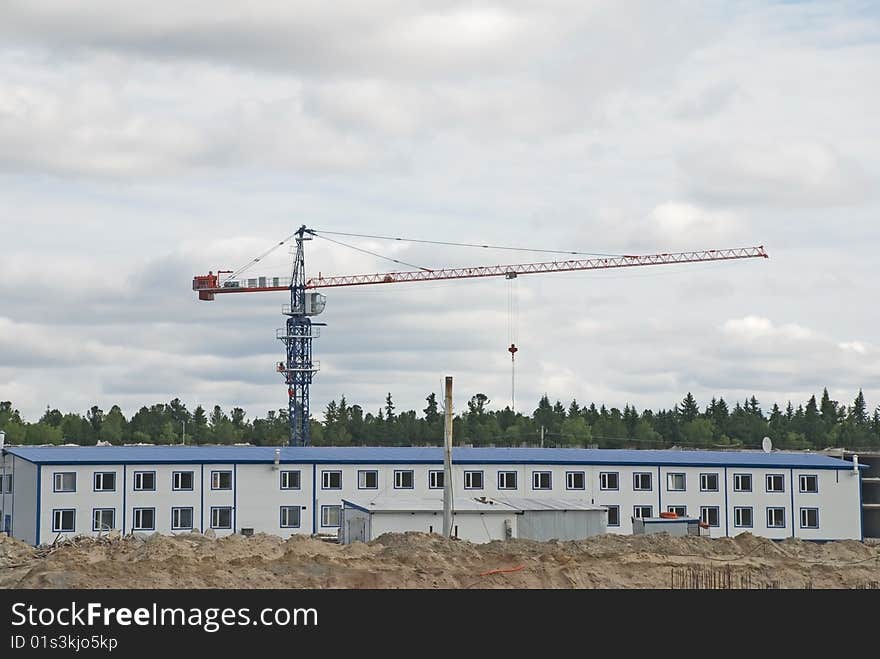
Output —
(543, 415)
(389, 409)
(199, 432)
(698, 432)
(52, 418)
(689, 409)
(477, 404)
(432, 414)
(43, 433)
(95, 417)
(859, 410)
(829, 411)
(576, 432)
(112, 426)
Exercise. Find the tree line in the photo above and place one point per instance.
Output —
(816, 424)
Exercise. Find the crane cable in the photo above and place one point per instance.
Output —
(316, 233)
(260, 257)
(366, 251)
(512, 334)
(454, 244)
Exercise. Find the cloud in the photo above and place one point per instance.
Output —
(140, 145)
(795, 174)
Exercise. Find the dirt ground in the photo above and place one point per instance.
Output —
(418, 560)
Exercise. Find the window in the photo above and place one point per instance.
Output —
(775, 483)
(506, 480)
(64, 482)
(290, 480)
(642, 481)
(710, 515)
(742, 517)
(103, 519)
(680, 511)
(473, 480)
(575, 480)
(608, 480)
(330, 515)
(144, 480)
(613, 515)
(742, 482)
(675, 482)
(182, 480)
(290, 516)
(708, 482)
(105, 481)
(221, 518)
(9, 484)
(776, 518)
(331, 480)
(144, 519)
(541, 480)
(809, 483)
(640, 512)
(403, 479)
(809, 518)
(435, 479)
(181, 518)
(63, 521)
(221, 480)
(368, 480)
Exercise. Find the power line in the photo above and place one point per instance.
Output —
(454, 244)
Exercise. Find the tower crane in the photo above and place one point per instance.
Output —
(298, 368)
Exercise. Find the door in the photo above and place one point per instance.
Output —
(357, 529)
(7, 524)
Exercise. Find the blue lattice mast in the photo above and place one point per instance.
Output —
(297, 335)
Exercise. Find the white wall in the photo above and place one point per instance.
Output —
(256, 496)
(23, 502)
(260, 498)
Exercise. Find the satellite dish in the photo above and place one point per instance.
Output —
(767, 445)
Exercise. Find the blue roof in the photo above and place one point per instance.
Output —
(420, 455)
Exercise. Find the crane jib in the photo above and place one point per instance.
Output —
(208, 285)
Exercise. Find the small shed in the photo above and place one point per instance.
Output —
(480, 519)
(557, 519)
(475, 520)
(679, 526)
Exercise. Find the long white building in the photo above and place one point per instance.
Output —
(49, 492)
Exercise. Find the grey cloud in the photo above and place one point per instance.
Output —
(795, 174)
(149, 146)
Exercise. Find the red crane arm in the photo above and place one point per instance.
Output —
(208, 285)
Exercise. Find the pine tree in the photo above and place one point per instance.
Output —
(389, 408)
(829, 411)
(720, 416)
(813, 428)
(330, 412)
(689, 409)
(432, 413)
(859, 411)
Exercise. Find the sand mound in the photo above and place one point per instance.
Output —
(420, 560)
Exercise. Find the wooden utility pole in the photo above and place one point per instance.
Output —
(447, 460)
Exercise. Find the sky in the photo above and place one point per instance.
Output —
(142, 143)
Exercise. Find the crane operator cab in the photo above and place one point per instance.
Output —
(315, 303)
